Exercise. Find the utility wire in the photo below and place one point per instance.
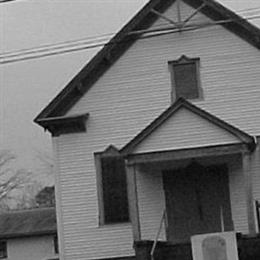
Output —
(5, 1)
(39, 50)
(56, 44)
(74, 45)
(248, 9)
(96, 44)
(71, 43)
(61, 45)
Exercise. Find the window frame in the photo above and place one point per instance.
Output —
(56, 244)
(110, 152)
(4, 249)
(183, 60)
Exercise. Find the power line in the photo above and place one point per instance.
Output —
(61, 45)
(91, 46)
(248, 9)
(16, 52)
(96, 44)
(5, 1)
(39, 50)
(57, 44)
(73, 43)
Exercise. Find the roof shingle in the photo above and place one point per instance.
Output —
(32, 222)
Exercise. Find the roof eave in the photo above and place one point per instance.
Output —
(29, 234)
(64, 124)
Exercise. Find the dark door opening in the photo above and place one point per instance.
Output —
(197, 201)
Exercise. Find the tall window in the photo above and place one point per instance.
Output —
(55, 244)
(185, 78)
(3, 249)
(113, 199)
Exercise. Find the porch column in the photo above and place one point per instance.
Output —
(248, 163)
(133, 201)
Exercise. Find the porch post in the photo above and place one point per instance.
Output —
(248, 161)
(133, 201)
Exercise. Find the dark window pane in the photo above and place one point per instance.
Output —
(56, 245)
(3, 249)
(186, 82)
(114, 190)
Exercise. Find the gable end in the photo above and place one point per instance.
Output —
(242, 136)
(102, 61)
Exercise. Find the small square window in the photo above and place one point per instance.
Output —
(3, 249)
(185, 78)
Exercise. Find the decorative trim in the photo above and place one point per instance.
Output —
(98, 166)
(183, 60)
(181, 102)
(110, 151)
(188, 153)
(64, 125)
(116, 47)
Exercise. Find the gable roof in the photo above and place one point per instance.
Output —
(83, 81)
(182, 103)
(25, 223)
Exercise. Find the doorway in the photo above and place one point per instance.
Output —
(197, 201)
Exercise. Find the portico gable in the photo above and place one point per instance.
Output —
(186, 133)
(186, 126)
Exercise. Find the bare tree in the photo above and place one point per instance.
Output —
(46, 197)
(11, 179)
(27, 197)
(18, 187)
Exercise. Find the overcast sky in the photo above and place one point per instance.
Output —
(27, 87)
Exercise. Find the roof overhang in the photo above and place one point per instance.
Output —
(29, 234)
(188, 153)
(64, 124)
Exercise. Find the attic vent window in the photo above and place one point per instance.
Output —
(185, 78)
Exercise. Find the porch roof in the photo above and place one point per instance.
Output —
(184, 126)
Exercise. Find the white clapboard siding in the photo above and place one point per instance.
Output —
(185, 129)
(238, 194)
(82, 237)
(139, 82)
(31, 248)
(130, 95)
(151, 199)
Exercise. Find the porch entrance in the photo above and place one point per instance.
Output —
(197, 201)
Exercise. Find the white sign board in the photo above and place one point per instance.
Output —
(215, 246)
